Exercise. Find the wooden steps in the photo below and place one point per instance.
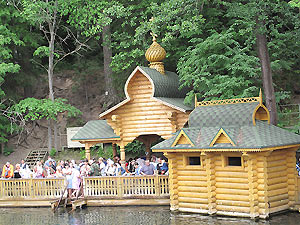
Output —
(34, 156)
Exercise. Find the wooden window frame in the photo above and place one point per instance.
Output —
(225, 157)
(186, 160)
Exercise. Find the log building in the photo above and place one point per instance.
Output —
(231, 161)
(154, 108)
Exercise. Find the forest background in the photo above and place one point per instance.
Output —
(70, 58)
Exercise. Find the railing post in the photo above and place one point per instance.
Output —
(119, 187)
(157, 185)
(31, 191)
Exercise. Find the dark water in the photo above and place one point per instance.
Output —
(128, 215)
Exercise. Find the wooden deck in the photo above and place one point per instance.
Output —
(98, 191)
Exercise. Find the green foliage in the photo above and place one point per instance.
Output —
(107, 153)
(136, 147)
(52, 152)
(7, 150)
(295, 3)
(82, 154)
(35, 109)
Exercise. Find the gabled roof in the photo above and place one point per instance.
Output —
(222, 134)
(247, 136)
(165, 90)
(182, 137)
(95, 130)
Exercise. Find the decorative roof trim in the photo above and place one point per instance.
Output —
(220, 132)
(227, 101)
(226, 149)
(170, 105)
(182, 133)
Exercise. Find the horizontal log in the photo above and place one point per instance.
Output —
(192, 189)
(276, 163)
(193, 195)
(230, 186)
(233, 203)
(230, 169)
(231, 174)
(232, 197)
(291, 182)
(279, 203)
(278, 197)
(231, 180)
(193, 200)
(277, 169)
(277, 180)
(232, 191)
(277, 192)
(192, 205)
(192, 178)
(200, 173)
(192, 183)
(278, 208)
(277, 186)
(233, 208)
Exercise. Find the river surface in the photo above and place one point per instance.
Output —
(128, 216)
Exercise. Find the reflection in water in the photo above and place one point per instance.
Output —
(128, 215)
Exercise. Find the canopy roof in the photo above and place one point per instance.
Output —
(95, 130)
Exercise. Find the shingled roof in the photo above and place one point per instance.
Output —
(236, 121)
(95, 130)
(222, 115)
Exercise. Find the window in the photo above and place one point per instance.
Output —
(193, 161)
(234, 161)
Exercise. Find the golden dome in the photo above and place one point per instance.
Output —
(155, 53)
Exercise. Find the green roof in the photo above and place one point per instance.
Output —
(262, 135)
(222, 115)
(95, 129)
(166, 85)
(176, 102)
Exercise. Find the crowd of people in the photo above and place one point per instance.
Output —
(74, 172)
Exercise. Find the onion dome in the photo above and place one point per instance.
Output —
(155, 54)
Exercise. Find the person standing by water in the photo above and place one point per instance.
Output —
(67, 171)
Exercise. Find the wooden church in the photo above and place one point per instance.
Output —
(154, 108)
(231, 161)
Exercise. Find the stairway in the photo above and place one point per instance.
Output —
(34, 156)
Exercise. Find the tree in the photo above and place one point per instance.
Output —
(7, 66)
(94, 18)
(47, 16)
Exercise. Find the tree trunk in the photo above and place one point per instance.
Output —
(55, 135)
(49, 136)
(111, 93)
(50, 81)
(265, 63)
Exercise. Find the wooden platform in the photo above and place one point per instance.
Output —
(88, 202)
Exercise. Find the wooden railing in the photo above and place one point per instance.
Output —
(126, 186)
(51, 188)
(31, 188)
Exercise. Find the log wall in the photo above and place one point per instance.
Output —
(232, 189)
(265, 183)
(144, 115)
